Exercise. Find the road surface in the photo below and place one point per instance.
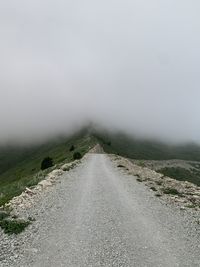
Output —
(99, 216)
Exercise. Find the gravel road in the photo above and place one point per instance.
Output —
(99, 216)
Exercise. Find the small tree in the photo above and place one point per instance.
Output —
(46, 163)
(72, 148)
(77, 155)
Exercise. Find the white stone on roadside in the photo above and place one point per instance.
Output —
(44, 184)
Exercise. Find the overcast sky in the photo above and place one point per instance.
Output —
(129, 64)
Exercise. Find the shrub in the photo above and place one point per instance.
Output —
(72, 148)
(13, 226)
(182, 174)
(121, 166)
(77, 155)
(159, 182)
(171, 191)
(31, 219)
(46, 163)
(158, 195)
(153, 188)
(191, 206)
(3, 215)
(141, 164)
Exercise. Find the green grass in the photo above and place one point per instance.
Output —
(171, 191)
(140, 149)
(182, 174)
(13, 226)
(20, 166)
(153, 188)
(130, 147)
(3, 215)
(121, 166)
(26, 171)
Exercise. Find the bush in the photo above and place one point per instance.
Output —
(72, 148)
(153, 188)
(13, 226)
(77, 155)
(171, 191)
(46, 163)
(121, 166)
(3, 215)
(141, 164)
(182, 174)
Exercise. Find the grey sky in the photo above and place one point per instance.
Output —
(131, 64)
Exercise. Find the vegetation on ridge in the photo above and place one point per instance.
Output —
(133, 148)
(181, 174)
(21, 166)
(26, 172)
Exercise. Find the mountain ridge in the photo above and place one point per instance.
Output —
(20, 165)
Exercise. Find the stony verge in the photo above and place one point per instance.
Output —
(32, 195)
(56, 208)
(183, 193)
(172, 163)
(97, 149)
(21, 207)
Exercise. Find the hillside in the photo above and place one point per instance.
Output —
(148, 152)
(134, 148)
(21, 166)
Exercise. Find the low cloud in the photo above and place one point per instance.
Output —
(125, 65)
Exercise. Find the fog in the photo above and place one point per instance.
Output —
(131, 65)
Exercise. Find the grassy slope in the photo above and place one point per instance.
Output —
(20, 167)
(182, 174)
(150, 150)
(143, 149)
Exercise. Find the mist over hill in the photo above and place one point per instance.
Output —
(20, 164)
(120, 68)
(99, 99)
(119, 64)
(143, 148)
(112, 142)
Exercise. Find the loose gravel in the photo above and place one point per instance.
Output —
(97, 215)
